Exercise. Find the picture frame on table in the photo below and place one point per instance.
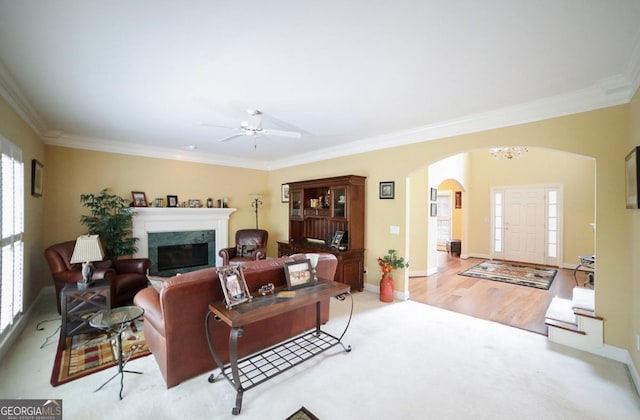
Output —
(298, 274)
(284, 193)
(139, 199)
(234, 285)
(336, 241)
(194, 203)
(172, 201)
(37, 178)
(387, 190)
(632, 179)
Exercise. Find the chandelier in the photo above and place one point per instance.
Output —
(508, 152)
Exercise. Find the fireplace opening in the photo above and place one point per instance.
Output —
(172, 257)
(180, 252)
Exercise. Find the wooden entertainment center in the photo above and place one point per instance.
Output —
(320, 208)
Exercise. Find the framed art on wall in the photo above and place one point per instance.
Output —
(433, 210)
(387, 190)
(284, 193)
(433, 194)
(458, 199)
(632, 179)
(37, 178)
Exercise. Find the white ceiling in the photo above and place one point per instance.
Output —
(140, 76)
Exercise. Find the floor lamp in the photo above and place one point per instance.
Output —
(256, 203)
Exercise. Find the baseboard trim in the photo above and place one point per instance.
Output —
(21, 323)
(622, 356)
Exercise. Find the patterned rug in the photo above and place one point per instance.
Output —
(524, 275)
(95, 351)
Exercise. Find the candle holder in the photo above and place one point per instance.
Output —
(313, 260)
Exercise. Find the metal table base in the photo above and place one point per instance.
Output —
(257, 368)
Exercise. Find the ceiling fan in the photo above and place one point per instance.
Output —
(253, 127)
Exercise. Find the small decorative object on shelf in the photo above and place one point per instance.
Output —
(313, 260)
(172, 201)
(267, 289)
(387, 264)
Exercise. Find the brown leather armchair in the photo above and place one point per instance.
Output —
(126, 277)
(251, 245)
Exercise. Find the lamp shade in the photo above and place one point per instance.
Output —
(88, 248)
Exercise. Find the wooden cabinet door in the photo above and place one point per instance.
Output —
(296, 198)
(338, 202)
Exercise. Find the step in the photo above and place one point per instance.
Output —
(561, 310)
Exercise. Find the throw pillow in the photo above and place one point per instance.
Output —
(248, 251)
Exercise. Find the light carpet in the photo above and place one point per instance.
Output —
(409, 361)
(523, 275)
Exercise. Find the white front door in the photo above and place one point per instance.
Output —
(524, 225)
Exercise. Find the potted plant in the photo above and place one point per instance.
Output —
(387, 264)
(111, 218)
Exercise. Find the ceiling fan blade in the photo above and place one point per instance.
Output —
(282, 133)
(217, 126)
(231, 137)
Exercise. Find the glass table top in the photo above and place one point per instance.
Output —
(109, 318)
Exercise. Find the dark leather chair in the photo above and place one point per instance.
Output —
(251, 245)
(126, 277)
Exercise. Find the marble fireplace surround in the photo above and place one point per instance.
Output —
(180, 219)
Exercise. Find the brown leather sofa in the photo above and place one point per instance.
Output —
(251, 245)
(174, 318)
(127, 277)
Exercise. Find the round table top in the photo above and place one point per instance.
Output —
(109, 318)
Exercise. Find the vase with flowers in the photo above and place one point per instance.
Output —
(387, 264)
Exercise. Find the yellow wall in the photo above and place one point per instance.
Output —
(574, 173)
(156, 177)
(14, 129)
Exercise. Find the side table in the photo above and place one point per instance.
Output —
(116, 320)
(75, 304)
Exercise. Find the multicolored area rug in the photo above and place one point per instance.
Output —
(95, 351)
(524, 275)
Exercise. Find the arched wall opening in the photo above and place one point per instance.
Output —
(476, 172)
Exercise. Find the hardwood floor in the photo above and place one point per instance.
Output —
(518, 306)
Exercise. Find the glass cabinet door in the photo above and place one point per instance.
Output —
(295, 197)
(339, 197)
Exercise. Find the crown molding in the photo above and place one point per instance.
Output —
(11, 93)
(611, 92)
(134, 149)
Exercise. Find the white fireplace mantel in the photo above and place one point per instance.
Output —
(180, 219)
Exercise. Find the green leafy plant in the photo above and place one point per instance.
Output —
(111, 218)
(391, 262)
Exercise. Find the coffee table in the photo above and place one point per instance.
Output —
(116, 320)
